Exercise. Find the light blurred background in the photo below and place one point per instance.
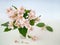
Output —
(50, 14)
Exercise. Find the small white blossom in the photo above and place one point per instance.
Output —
(31, 15)
(10, 25)
(21, 10)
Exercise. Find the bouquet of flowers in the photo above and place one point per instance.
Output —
(23, 20)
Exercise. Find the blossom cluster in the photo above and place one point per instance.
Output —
(23, 20)
(22, 17)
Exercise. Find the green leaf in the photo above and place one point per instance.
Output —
(14, 7)
(7, 29)
(14, 25)
(29, 36)
(26, 14)
(32, 22)
(23, 31)
(5, 24)
(49, 28)
(40, 25)
(27, 11)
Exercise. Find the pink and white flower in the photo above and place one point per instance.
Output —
(31, 15)
(18, 16)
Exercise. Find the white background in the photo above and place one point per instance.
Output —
(50, 11)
